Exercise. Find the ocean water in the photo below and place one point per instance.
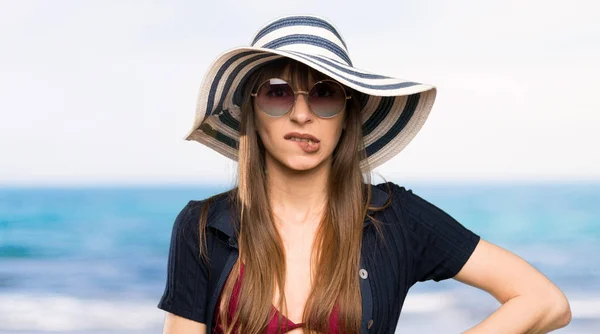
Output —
(93, 260)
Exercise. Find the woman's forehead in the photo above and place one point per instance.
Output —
(298, 77)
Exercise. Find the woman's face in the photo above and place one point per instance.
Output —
(285, 137)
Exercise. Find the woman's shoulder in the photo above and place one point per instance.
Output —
(388, 186)
(390, 192)
(215, 205)
(417, 212)
(403, 200)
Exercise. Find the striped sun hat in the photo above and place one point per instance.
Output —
(393, 110)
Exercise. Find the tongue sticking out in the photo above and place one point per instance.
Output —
(309, 146)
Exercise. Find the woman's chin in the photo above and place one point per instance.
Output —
(303, 163)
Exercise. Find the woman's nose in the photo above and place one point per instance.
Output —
(301, 112)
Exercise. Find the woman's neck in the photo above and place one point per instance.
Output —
(297, 195)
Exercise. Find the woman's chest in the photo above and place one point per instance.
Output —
(383, 275)
(298, 281)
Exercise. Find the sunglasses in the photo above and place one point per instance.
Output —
(276, 97)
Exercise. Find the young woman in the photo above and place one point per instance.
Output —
(305, 243)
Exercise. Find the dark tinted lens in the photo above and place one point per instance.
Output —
(327, 98)
(275, 97)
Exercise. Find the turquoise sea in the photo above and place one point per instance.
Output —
(93, 259)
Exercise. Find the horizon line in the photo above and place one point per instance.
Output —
(183, 184)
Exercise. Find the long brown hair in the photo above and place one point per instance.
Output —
(338, 239)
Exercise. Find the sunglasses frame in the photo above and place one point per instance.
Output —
(296, 93)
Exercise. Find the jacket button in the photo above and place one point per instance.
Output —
(363, 274)
(370, 324)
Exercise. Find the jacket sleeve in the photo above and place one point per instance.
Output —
(187, 274)
(440, 245)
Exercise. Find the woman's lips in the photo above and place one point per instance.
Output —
(308, 143)
(308, 146)
(297, 135)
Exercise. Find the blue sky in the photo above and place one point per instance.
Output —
(104, 91)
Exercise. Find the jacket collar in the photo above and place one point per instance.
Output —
(222, 219)
(378, 199)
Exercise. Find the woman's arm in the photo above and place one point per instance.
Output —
(175, 324)
(530, 302)
(186, 290)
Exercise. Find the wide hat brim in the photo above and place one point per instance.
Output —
(392, 113)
